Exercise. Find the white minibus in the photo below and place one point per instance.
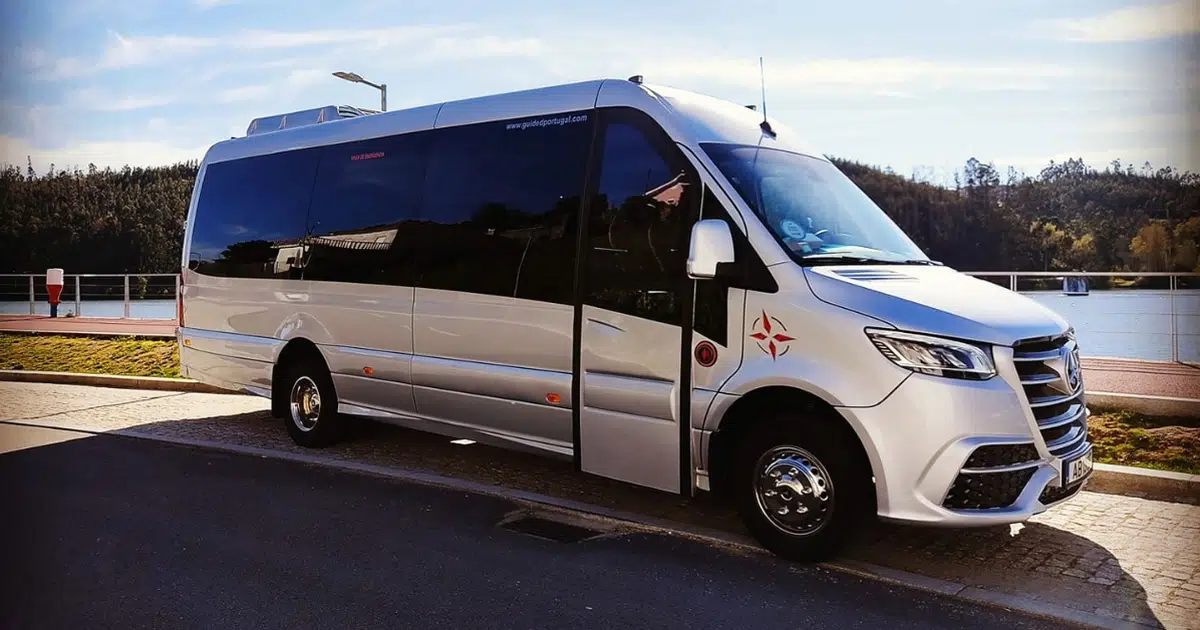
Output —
(665, 288)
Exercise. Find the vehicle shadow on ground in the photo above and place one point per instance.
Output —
(1036, 560)
(1047, 563)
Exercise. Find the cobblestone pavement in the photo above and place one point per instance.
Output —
(1118, 556)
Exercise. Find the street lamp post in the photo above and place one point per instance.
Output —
(355, 78)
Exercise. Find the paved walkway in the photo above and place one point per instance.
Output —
(88, 325)
(1153, 378)
(1120, 557)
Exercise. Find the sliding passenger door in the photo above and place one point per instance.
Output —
(635, 305)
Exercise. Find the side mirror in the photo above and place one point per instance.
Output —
(712, 244)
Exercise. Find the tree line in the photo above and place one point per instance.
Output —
(1068, 217)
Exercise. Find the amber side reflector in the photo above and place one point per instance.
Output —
(553, 399)
(187, 342)
(368, 371)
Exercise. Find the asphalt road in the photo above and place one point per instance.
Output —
(110, 532)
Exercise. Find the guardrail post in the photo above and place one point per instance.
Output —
(32, 296)
(1174, 335)
(78, 299)
(126, 296)
(1012, 283)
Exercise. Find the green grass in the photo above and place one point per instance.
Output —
(1133, 439)
(124, 356)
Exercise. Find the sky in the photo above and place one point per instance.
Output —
(918, 86)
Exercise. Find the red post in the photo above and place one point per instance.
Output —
(54, 287)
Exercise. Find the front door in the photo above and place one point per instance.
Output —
(635, 308)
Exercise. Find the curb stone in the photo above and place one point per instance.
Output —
(1145, 483)
(110, 380)
(637, 522)
(1168, 406)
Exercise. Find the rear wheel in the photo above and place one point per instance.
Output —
(310, 405)
(802, 487)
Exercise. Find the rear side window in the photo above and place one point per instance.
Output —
(250, 216)
(365, 200)
(502, 205)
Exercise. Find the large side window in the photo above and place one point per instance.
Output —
(637, 229)
(364, 203)
(250, 215)
(501, 207)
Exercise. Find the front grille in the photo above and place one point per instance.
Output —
(1053, 383)
(994, 455)
(1054, 494)
(981, 491)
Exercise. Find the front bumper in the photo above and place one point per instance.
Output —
(963, 453)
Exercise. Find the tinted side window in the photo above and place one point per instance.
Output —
(250, 215)
(365, 199)
(637, 228)
(502, 203)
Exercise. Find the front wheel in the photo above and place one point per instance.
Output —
(802, 487)
(311, 405)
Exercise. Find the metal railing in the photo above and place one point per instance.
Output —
(1160, 282)
(99, 291)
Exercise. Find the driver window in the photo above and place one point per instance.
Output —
(646, 201)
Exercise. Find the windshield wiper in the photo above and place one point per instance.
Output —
(919, 261)
(842, 259)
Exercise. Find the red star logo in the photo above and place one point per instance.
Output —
(777, 344)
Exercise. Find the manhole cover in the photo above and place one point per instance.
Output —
(549, 529)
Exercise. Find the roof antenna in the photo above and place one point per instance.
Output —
(766, 126)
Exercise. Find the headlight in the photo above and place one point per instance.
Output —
(934, 355)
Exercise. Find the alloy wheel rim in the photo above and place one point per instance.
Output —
(305, 404)
(793, 490)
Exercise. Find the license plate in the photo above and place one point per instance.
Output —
(1077, 469)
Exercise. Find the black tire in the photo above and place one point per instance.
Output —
(839, 460)
(328, 428)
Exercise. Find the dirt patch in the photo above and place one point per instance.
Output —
(1131, 439)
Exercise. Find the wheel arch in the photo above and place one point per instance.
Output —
(296, 349)
(745, 412)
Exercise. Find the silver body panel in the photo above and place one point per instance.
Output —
(630, 385)
(500, 369)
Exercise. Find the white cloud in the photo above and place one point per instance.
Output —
(94, 100)
(453, 41)
(208, 4)
(244, 94)
(1132, 24)
(108, 153)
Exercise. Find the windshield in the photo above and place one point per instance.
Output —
(812, 207)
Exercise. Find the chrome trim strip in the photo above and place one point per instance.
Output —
(1066, 417)
(217, 335)
(1039, 379)
(1001, 469)
(1045, 355)
(1050, 401)
(1067, 444)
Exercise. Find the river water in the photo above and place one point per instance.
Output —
(1134, 324)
